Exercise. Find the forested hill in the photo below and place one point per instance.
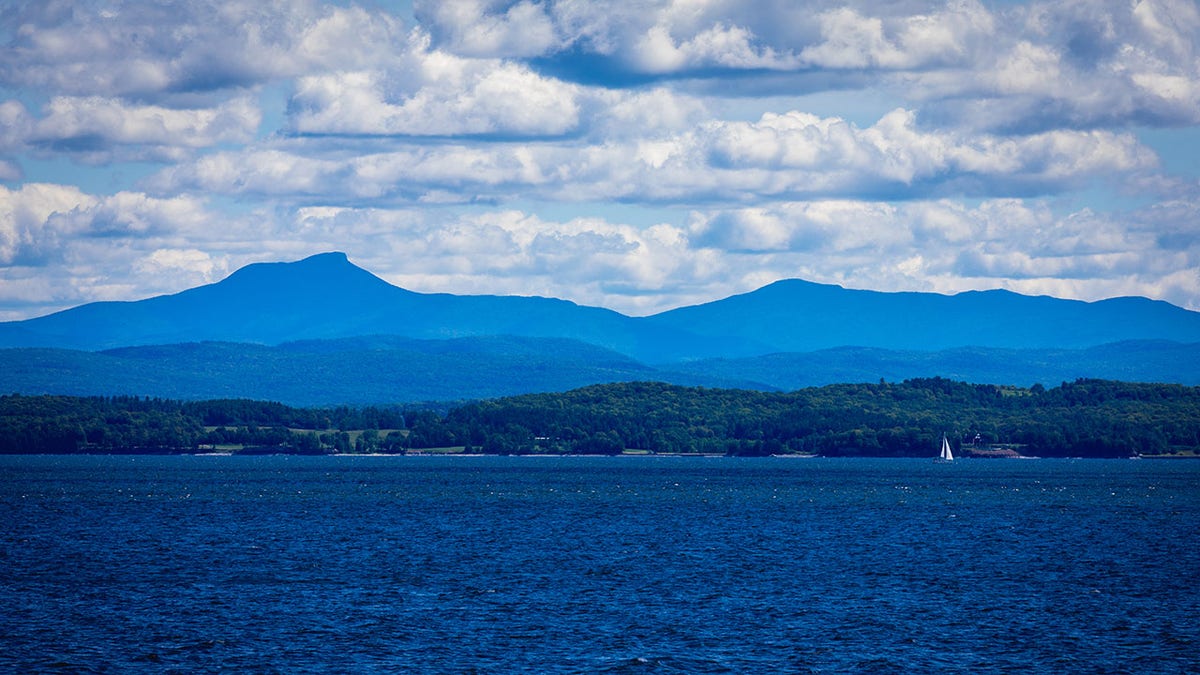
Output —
(1085, 418)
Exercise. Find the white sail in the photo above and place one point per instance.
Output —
(946, 454)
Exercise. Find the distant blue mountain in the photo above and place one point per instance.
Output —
(326, 296)
(800, 316)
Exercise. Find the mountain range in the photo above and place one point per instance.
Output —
(324, 331)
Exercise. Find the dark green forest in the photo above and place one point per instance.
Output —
(1085, 418)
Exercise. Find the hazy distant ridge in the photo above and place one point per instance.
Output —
(382, 369)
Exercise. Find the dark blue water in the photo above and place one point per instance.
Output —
(580, 565)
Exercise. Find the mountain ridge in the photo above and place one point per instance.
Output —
(333, 372)
(808, 316)
(327, 297)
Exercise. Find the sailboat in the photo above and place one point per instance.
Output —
(946, 455)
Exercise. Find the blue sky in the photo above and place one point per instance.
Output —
(638, 156)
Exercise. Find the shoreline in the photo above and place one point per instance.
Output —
(986, 458)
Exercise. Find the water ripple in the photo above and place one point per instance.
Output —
(490, 565)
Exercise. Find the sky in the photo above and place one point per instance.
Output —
(637, 155)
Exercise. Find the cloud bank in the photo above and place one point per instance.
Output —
(638, 156)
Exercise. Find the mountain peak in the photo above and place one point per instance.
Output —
(328, 255)
(324, 273)
(327, 260)
(333, 261)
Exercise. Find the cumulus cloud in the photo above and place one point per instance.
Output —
(133, 245)
(488, 29)
(1038, 64)
(32, 220)
(937, 245)
(15, 125)
(667, 37)
(1026, 66)
(850, 39)
(423, 91)
(648, 114)
(825, 226)
(152, 50)
(155, 81)
(1079, 64)
(173, 261)
(777, 157)
(60, 246)
(98, 130)
(421, 147)
(721, 45)
(69, 118)
(40, 222)
(944, 246)
(435, 94)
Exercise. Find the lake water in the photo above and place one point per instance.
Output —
(597, 565)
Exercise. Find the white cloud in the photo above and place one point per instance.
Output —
(777, 157)
(649, 114)
(1086, 62)
(944, 246)
(41, 223)
(1079, 64)
(1031, 66)
(263, 172)
(31, 220)
(438, 95)
(98, 130)
(666, 37)
(15, 125)
(720, 45)
(69, 117)
(173, 261)
(941, 245)
(130, 245)
(61, 247)
(1168, 24)
(851, 40)
(334, 39)
(836, 156)
(152, 49)
(429, 92)
(396, 136)
(157, 81)
(487, 29)
(823, 226)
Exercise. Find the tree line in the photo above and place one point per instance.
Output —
(1085, 418)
